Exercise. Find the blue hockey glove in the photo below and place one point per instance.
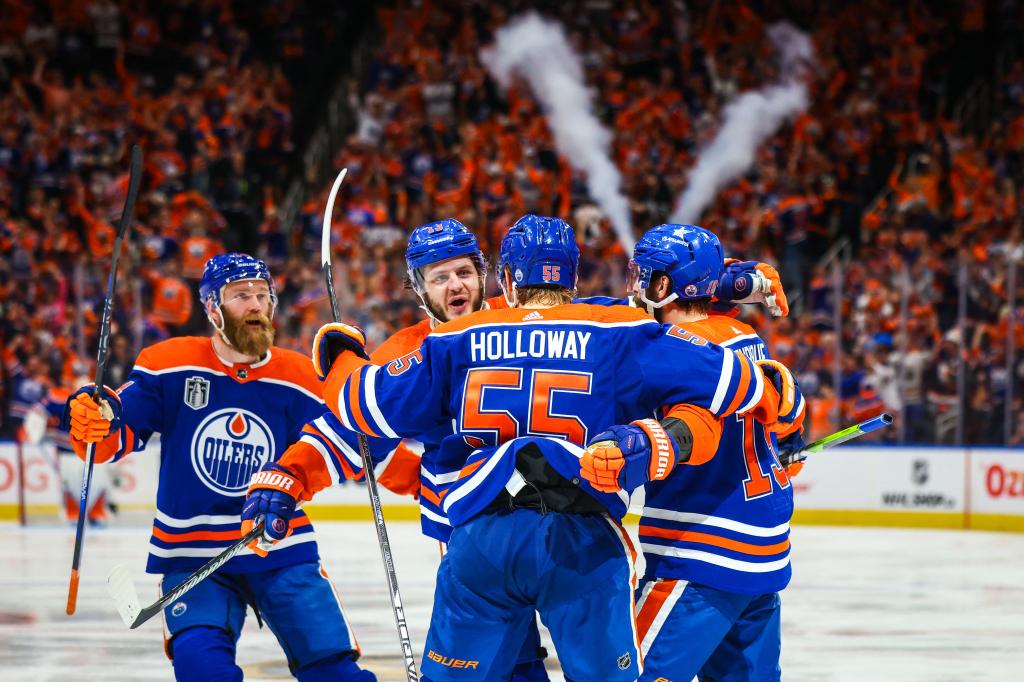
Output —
(272, 496)
(627, 456)
(332, 340)
(750, 281)
(791, 452)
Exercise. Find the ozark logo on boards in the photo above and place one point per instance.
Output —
(229, 446)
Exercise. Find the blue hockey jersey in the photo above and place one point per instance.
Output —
(219, 423)
(554, 376)
(724, 523)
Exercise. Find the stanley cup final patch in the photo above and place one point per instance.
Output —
(197, 392)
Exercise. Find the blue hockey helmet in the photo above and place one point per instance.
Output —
(690, 255)
(225, 268)
(539, 250)
(439, 241)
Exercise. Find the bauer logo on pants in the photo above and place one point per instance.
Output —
(197, 392)
(230, 446)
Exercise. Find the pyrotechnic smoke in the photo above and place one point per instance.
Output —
(537, 51)
(749, 120)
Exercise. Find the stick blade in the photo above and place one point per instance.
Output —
(325, 234)
(122, 590)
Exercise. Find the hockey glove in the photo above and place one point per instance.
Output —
(627, 456)
(791, 400)
(272, 496)
(752, 282)
(791, 452)
(332, 340)
(92, 423)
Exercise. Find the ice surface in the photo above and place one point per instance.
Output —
(865, 604)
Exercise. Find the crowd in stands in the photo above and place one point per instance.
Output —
(878, 160)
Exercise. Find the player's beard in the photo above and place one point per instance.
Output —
(462, 303)
(251, 334)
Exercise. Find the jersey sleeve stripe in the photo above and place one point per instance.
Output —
(371, 402)
(342, 411)
(329, 457)
(723, 382)
(741, 386)
(758, 389)
(335, 438)
(355, 394)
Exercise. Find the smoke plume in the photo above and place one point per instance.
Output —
(749, 120)
(537, 51)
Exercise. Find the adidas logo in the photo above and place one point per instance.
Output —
(533, 316)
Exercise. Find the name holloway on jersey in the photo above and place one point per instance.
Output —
(537, 343)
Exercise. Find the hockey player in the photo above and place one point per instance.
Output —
(715, 537)
(524, 388)
(225, 405)
(448, 272)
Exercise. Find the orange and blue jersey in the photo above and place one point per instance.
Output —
(405, 470)
(498, 379)
(725, 523)
(219, 423)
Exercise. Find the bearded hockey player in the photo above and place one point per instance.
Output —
(225, 405)
(715, 537)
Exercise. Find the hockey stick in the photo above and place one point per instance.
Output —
(364, 451)
(126, 599)
(134, 177)
(849, 433)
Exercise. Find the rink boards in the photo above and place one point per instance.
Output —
(932, 487)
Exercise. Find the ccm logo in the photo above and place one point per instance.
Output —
(1001, 482)
(451, 662)
(272, 479)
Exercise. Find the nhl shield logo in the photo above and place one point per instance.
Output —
(197, 392)
(624, 661)
(919, 473)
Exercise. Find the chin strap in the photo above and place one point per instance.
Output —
(219, 327)
(650, 305)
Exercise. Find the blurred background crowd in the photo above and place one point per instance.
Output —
(892, 206)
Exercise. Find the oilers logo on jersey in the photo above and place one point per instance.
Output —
(230, 446)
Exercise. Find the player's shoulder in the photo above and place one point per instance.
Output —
(723, 330)
(180, 351)
(286, 366)
(583, 313)
(497, 303)
(401, 343)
